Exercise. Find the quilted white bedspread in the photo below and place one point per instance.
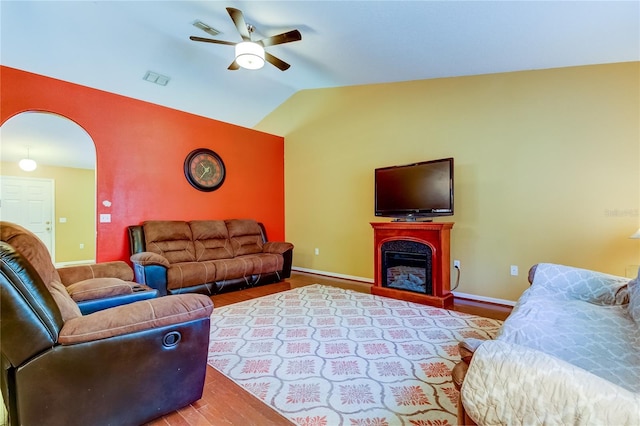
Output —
(568, 354)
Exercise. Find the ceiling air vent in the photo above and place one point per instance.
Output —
(154, 77)
(206, 28)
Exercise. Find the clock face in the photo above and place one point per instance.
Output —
(204, 169)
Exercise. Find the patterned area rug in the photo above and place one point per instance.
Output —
(326, 356)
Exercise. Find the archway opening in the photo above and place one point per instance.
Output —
(65, 155)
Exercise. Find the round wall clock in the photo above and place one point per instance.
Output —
(204, 169)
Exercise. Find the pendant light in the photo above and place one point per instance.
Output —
(27, 164)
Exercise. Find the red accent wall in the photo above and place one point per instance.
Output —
(140, 151)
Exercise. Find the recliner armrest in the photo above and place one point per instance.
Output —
(134, 317)
(148, 258)
(90, 306)
(101, 288)
(115, 269)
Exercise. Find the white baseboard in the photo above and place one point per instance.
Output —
(484, 298)
(333, 274)
(370, 280)
(74, 263)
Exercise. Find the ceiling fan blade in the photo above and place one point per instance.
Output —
(238, 18)
(234, 66)
(210, 40)
(278, 63)
(287, 37)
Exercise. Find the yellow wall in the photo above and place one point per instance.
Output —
(546, 169)
(75, 195)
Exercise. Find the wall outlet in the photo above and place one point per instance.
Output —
(514, 270)
(317, 251)
(81, 245)
(456, 264)
(105, 218)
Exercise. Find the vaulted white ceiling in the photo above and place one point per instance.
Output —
(110, 45)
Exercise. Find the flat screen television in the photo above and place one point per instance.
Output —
(418, 191)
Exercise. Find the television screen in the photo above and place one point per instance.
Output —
(419, 190)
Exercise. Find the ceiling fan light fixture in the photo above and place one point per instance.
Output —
(250, 55)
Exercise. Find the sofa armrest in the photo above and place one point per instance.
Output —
(134, 317)
(146, 258)
(115, 269)
(512, 384)
(467, 347)
(562, 282)
(532, 273)
(151, 269)
(276, 247)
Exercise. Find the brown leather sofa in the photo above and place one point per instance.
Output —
(206, 256)
(93, 287)
(124, 365)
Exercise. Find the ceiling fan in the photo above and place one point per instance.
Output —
(251, 54)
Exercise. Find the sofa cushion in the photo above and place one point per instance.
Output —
(229, 269)
(187, 274)
(245, 236)
(569, 283)
(599, 339)
(634, 299)
(263, 263)
(248, 265)
(171, 239)
(211, 240)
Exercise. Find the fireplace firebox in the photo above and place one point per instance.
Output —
(406, 266)
(412, 262)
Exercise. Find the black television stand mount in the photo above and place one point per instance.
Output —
(411, 219)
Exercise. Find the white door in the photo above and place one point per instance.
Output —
(29, 203)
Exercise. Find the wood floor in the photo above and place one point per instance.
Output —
(226, 403)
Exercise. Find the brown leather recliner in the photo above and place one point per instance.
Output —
(124, 365)
(93, 287)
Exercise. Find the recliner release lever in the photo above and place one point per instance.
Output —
(171, 339)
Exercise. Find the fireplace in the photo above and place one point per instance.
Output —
(412, 262)
(406, 265)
